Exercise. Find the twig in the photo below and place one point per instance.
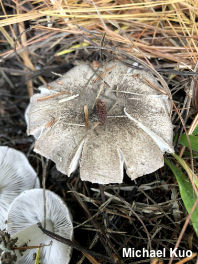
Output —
(73, 244)
(183, 229)
(44, 198)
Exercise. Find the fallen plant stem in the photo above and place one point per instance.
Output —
(186, 259)
(96, 225)
(183, 229)
(44, 182)
(130, 208)
(190, 148)
(73, 244)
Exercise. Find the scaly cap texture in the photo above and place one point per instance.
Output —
(134, 131)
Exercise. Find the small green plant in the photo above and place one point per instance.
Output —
(187, 186)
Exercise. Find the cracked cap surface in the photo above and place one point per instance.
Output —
(103, 150)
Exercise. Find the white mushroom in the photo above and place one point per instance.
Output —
(16, 176)
(27, 113)
(38, 132)
(22, 218)
(135, 127)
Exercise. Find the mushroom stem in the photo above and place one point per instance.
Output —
(31, 236)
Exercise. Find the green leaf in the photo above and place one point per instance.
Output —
(195, 131)
(193, 140)
(186, 168)
(187, 194)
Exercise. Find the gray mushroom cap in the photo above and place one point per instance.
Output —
(16, 176)
(135, 134)
(38, 131)
(24, 214)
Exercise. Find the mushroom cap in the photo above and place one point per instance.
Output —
(16, 176)
(28, 209)
(134, 134)
(38, 132)
(27, 113)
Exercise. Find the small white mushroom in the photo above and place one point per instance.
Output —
(16, 176)
(22, 218)
(135, 127)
